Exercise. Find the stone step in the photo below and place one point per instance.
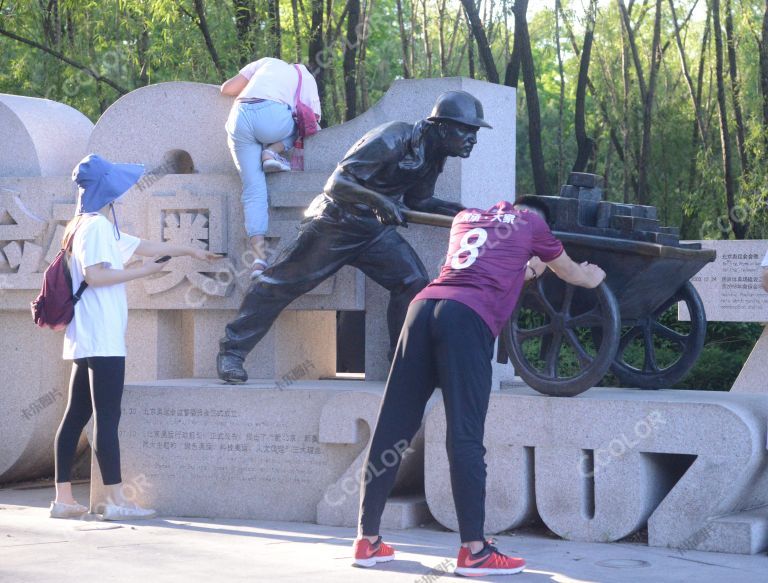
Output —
(741, 532)
(401, 512)
(267, 450)
(295, 189)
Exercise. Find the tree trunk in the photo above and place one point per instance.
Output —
(350, 60)
(645, 147)
(735, 89)
(275, 31)
(319, 57)
(561, 97)
(617, 145)
(688, 81)
(51, 23)
(739, 229)
(505, 12)
(403, 40)
(364, 94)
(202, 24)
(142, 53)
(411, 33)
(646, 93)
(361, 66)
(703, 132)
(243, 21)
(296, 29)
(512, 71)
(627, 170)
(532, 102)
(427, 45)
(441, 38)
(470, 48)
(585, 144)
(483, 47)
(454, 36)
(633, 47)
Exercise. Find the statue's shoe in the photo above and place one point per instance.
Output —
(230, 368)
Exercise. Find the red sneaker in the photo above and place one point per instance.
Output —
(367, 554)
(489, 561)
(464, 551)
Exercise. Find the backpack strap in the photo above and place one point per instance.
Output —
(67, 253)
(298, 89)
(79, 292)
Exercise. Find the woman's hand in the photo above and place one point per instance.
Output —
(151, 266)
(203, 254)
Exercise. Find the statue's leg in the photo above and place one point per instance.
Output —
(322, 247)
(392, 263)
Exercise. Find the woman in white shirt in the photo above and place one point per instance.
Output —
(260, 127)
(95, 338)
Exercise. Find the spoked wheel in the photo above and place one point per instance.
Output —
(550, 336)
(657, 351)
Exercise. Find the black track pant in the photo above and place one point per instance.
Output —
(324, 245)
(96, 385)
(443, 343)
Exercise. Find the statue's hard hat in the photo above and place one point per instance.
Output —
(459, 106)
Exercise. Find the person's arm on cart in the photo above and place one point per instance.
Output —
(582, 274)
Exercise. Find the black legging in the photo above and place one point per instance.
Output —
(96, 383)
(443, 344)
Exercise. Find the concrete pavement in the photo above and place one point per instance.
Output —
(35, 548)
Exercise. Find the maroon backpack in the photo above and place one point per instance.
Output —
(306, 121)
(54, 307)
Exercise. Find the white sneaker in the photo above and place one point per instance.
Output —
(276, 163)
(129, 512)
(258, 267)
(61, 510)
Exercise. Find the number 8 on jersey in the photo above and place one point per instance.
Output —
(473, 248)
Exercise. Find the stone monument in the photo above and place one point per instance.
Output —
(41, 142)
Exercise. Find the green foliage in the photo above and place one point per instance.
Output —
(727, 347)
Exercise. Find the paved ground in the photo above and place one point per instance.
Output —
(35, 548)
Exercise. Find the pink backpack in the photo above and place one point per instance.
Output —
(54, 307)
(306, 121)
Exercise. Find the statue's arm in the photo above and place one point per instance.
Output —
(422, 199)
(343, 188)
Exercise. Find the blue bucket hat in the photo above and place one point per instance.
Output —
(101, 182)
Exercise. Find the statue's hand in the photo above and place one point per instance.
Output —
(389, 212)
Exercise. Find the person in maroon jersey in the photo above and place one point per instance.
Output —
(447, 341)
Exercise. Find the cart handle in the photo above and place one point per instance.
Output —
(421, 218)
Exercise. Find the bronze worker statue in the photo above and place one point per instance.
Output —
(353, 222)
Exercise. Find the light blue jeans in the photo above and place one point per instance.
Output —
(250, 127)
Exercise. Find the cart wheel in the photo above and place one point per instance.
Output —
(550, 340)
(653, 355)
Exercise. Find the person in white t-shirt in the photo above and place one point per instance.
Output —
(259, 128)
(95, 338)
